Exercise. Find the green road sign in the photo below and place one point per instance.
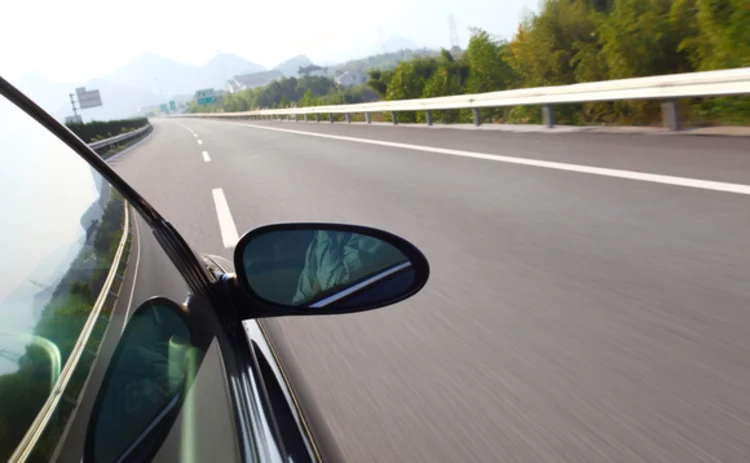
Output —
(172, 106)
(164, 108)
(207, 100)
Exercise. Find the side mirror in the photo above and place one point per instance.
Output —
(151, 370)
(325, 268)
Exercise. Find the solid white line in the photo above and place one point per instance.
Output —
(616, 173)
(135, 272)
(226, 223)
(200, 142)
(206, 158)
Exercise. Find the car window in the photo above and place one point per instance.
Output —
(70, 252)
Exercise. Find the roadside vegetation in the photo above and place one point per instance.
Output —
(567, 42)
(573, 41)
(63, 317)
(101, 130)
(289, 91)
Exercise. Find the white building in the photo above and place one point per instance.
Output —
(351, 78)
(252, 80)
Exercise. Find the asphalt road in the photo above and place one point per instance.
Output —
(571, 316)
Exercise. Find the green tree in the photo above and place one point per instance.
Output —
(407, 83)
(445, 81)
(379, 80)
(489, 69)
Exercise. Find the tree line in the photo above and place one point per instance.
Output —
(572, 41)
(286, 92)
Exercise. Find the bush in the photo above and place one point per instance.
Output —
(100, 130)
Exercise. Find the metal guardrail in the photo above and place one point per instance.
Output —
(666, 88)
(116, 140)
(35, 431)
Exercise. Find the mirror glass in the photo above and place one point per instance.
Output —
(324, 268)
(145, 383)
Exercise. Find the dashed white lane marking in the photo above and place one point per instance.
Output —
(200, 142)
(195, 135)
(206, 157)
(605, 172)
(228, 229)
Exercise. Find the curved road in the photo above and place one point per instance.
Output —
(574, 314)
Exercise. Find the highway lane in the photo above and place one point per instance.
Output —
(569, 317)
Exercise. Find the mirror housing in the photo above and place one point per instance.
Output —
(141, 395)
(326, 268)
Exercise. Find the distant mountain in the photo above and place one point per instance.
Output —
(146, 81)
(165, 77)
(397, 44)
(46, 93)
(290, 67)
(149, 80)
(151, 73)
(119, 101)
(222, 67)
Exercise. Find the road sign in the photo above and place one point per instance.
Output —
(172, 106)
(164, 108)
(206, 96)
(88, 98)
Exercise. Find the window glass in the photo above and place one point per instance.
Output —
(67, 258)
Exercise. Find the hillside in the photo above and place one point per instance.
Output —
(383, 61)
(290, 67)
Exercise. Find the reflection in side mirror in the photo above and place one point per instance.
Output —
(151, 369)
(328, 268)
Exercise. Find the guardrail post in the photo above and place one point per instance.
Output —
(331, 116)
(548, 116)
(348, 118)
(317, 117)
(305, 117)
(477, 116)
(367, 118)
(394, 117)
(669, 116)
(428, 116)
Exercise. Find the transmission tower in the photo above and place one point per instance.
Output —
(454, 34)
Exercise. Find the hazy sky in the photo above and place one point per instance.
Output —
(84, 39)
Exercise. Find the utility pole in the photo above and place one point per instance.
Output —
(73, 104)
